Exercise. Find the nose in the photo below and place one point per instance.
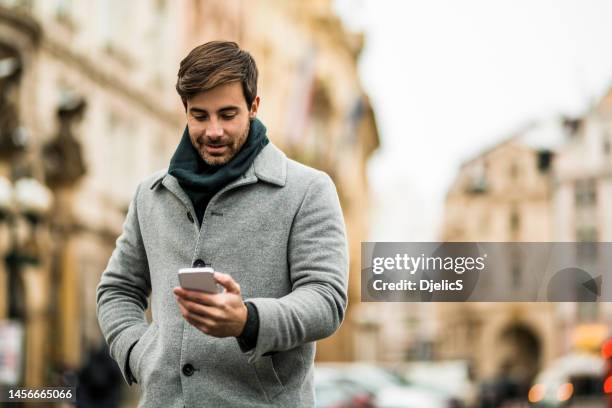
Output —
(214, 129)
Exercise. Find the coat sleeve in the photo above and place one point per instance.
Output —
(318, 267)
(123, 291)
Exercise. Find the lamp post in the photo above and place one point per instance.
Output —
(23, 204)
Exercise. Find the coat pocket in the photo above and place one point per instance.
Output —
(139, 352)
(268, 377)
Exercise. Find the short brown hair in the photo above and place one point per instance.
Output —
(216, 63)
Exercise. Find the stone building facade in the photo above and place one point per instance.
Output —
(85, 103)
(519, 192)
(502, 195)
(582, 203)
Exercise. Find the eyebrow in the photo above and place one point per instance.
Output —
(223, 109)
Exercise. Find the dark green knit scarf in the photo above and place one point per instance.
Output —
(201, 181)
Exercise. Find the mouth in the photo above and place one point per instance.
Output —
(215, 150)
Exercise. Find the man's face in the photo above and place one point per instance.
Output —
(218, 121)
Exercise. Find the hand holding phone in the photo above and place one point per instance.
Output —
(221, 315)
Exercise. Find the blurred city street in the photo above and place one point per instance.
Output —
(88, 109)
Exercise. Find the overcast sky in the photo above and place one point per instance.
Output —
(450, 78)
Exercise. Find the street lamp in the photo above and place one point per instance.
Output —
(30, 200)
(33, 199)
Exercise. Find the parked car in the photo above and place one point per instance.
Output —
(334, 391)
(452, 378)
(390, 390)
(574, 380)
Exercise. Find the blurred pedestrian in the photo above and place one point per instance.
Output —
(99, 381)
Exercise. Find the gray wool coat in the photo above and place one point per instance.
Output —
(279, 232)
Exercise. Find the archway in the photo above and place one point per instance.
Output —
(520, 352)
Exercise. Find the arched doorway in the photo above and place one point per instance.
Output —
(520, 352)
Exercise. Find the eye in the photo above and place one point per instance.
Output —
(228, 116)
(199, 116)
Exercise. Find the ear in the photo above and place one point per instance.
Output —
(254, 107)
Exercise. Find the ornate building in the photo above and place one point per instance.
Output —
(583, 198)
(502, 195)
(77, 114)
(518, 192)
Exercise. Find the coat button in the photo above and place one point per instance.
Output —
(198, 263)
(190, 217)
(188, 370)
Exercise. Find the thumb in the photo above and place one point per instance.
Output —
(227, 282)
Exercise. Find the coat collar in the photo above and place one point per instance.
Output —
(270, 166)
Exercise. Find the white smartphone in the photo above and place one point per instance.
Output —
(201, 279)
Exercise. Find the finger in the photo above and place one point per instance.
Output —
(201, 323)
(196, 320)
(227, 282)
(199, 309)
(208, 299)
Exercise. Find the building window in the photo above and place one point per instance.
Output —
(587, 312)
(585, 193)
(514, 171)
(586, 248)
(545, 158)
(477, 178)
(515, 220)
(606, 147)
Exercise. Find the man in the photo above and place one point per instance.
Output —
(274, 227)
